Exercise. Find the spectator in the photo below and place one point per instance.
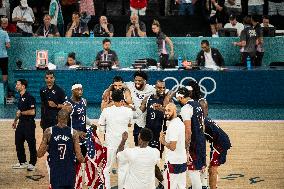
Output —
(138, 7)
(135, 28)
(265, 22)
(71, 60)
(24, 17)
(103, 29)
(255, 7)
(4, 45)
(107, 54)
(185, 7)
(234, 7)
(87, 6)
(209, 57)
(56, 15)
(76, 28)
(162, 40)
(217, 16)
(47, 29)
(5, 8)
(6, 26)
(259, 47)
(248, 42)
(234, 24)
(276, 7)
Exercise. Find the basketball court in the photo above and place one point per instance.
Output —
(254, 161)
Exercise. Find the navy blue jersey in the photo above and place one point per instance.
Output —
(215, 135)
(198, 142)
(78, 115)
(49, 114)
(61, 158)
(155, 119)
(26, 102)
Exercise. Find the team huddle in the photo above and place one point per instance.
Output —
(161, 135)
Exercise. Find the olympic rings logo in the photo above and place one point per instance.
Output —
(203, 89)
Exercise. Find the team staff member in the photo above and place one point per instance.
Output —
(192, 116)
(52, 99)
(25, 129)
(62, 143)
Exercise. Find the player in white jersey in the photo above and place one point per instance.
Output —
(137, 165)
(117, 119)
(139, 90)
(175, 152)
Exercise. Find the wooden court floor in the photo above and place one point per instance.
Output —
(256, 160)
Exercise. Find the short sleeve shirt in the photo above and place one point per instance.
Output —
(100, 32)
(186, 112)
(4, 38)
(110, 56)
(249, 35)
(26, 102)
(77, 32)
(161, 41)
(142, 27)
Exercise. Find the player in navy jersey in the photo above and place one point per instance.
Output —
(62, 143)
(220, 144)
(193, 118)
(153, 105)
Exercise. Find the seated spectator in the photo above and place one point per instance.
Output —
(138, 7)
(255, 7)
(276, 7)
(209, 57)
(76, 28)
(71, 60)
(5, 25)
(5, 8)
(218, 16)
(103, 29)
(106, 54)
(234, 7)
(265, 22)
(234, 24)
(47, 29)
(186, 7)
(24, 17)
(135, 28)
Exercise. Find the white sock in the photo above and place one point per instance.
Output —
(195, 179)
(204, 178)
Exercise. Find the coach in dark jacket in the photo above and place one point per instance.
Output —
(209, 57)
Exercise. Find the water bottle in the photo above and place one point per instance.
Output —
(92, 34)
(248, 63)
(179, 61)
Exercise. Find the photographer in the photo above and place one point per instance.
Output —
(135, 28)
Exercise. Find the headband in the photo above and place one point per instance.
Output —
(75, 86)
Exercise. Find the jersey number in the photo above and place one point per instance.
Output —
(62, 149)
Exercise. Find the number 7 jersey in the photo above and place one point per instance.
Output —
(61, 158)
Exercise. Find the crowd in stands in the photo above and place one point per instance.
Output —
(70, 17)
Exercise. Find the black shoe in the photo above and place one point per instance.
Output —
(160, 186)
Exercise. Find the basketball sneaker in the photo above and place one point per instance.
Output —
(31, 167)
(20, 166)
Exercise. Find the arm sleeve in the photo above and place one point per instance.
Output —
(115, 57)
(7, 39)
(102, 119)
(111, 29)
(32, 103)
(221, 59)
(62, 97)
(186, 112)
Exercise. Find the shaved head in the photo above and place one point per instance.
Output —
(63, 116)
(171, 111)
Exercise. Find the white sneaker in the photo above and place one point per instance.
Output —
(20, 166)
(31, 167)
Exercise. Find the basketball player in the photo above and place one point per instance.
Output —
(116, 85)
(155, 118)
(52, 99)
(140, 162)
(62, 143)
(193, 119)
(116, 120)
(220, 144)
(139, 90)
(175, 152)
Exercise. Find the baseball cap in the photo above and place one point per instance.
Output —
(24, 3)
